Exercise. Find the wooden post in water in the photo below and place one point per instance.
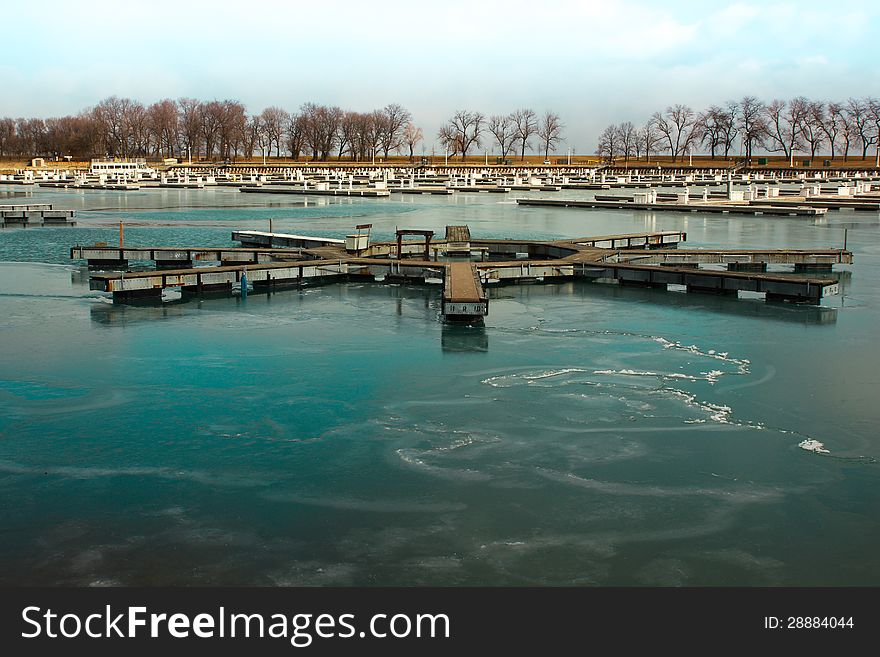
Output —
(121, 235)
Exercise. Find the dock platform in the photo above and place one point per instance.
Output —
(463, 297)
(306, 191)
(258, 238)
(671, 206)
(132, 286)
(178, 257)
(648, 259)
(35, 214)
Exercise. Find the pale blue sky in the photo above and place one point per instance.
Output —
(593, 62)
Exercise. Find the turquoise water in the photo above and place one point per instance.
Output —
(341, 435)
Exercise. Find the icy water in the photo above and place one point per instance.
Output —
(341, 435)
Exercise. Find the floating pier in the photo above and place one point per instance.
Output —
(133, 286)
(648, 259)
(283, 240)
(827, 202)
(672, 206)
(178, 257)
(463, 297)
(309, 191)
(36, 214)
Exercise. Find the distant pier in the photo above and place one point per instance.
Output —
(35, 214)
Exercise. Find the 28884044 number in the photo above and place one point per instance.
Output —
(818, 622)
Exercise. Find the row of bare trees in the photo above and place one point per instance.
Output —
(516, 132)
(745, 126)
(223, 129)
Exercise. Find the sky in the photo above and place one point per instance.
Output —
(594, 63)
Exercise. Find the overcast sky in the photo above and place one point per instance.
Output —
(592, 62)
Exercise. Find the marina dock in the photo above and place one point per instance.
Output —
(463, 296)
(178, 257)
(649, 259)
(317, 191)
(674, 206)
(37, 214)
(133, 286)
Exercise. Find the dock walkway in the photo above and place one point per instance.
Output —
(647, 259)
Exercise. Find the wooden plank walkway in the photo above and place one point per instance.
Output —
(463, 296)
(179, 256)
(371, 192)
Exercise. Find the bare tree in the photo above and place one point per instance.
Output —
(30, 134)
(708, 129)
(608, 145)
(462, 131)
(648, 138)
(874, 112)
(274, 120)
(211, 120)
(811, 126)
(411, 136)
(503, 129)
(395, 118)
(295, 135)
(784, 123)
(320, 128)
(525, 123)
(751, 123)
(164, 119)
(7, 137)
(449, 138)
(849, 133)
(111, 115)
(860, 118)
(136, 129)
(550, 131)
(347, 135)
(364, 136)
(233, 119)
(832, 121)
(728, 124)
(626, 138)
(677, 128)
(254, 136)
(190, 124)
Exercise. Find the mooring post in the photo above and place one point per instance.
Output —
(845, 230)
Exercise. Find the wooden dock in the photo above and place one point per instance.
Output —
(775, 287)
(463, 297)
(308, 191)
(735, 259)
(647, 259)
(664, 206)
(260, 238)
(179, 257)
(35, 214)
(829, 203)
(133, 286)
